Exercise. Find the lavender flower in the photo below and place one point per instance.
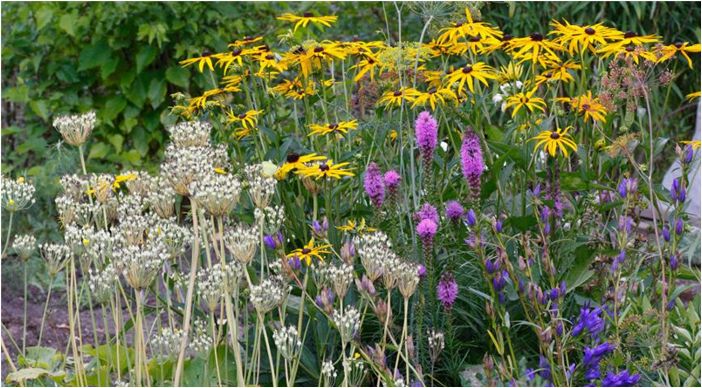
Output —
(679, 226)
(470, 217)
(472, 163)
(677, 191)
(666, 233)
(447, 290)
(688, 154)
(427, 212)
(590, 321)
(392, 180)
(421, 271)
(674, 262)
(592, 358)
(426, 131)
(454, 211)
(273, 241)
(374, 185)
(295, 263)
(319, 230)
(621, 379)
(426, 230)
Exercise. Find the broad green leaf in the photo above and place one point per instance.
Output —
(23, 375)
(117, 141)
(157, 92)
(98, 151)
(68, 23)
(114, 107)
(43, 16)
(144, 57)
(94, 55)
(40, 108)
(178, 76)
(109, 67)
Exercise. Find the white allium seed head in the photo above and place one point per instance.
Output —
(242, 241)
(190, 134)
(55, 256)
(288, 342)
(216, 193)
(269, 294)
(16, 195)
(373, 248)
(261, 185)
(347, 323)
(75, 129)
(24, 246)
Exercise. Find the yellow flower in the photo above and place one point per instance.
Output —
(309, 251)
(368, 65)
(307, 18)
(525, 99)
(695, 144)
(241, 133)
(340, 127)
(510, 73)
(535, 48)
(356, 227)
(205, 59)
(433, 97)
(123, 178)
(237, 55)
(468, 28)
(294, 162)
(558, 72)
(466, 75)
(576, 38)
(395, 98)
(633, 51)
(392, 135)
(220, 171)
(269, 61)
(553, 141)
(325, 169)
(683, 48)
(248, 120)
(589, 107)
(245, 41)
(693, 95)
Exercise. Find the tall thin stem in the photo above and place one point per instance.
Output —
(9, 233)
(24, 323)
(46, 308)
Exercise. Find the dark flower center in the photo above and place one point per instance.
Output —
(292, 158)
(242, 116)
(678, 44)
(474, 39)
(371, 61)
(318, 49)
(431, 91)
(459, 24)
(397, 93)
(586, 106)
(536, 37)
(630, 48)
(524, 100)
(548, 75)
(630, 34)
(333, 126)
(270, 56)
(307, 14)
(299, 50)
(506, 37)
(206, 53)
(324, 167)
(248, 37)
(264, 48)
(236, 52)
(306, 251)
(590, 31)
(467, 69)
(555, 135)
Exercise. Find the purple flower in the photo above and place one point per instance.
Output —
(677, 191)
(536, 191)
(454, 210)
(621, 379)
(666, 233)
(365, 285)
(472, 163)
(625, 224)
(295, 263)
(447, 290)
(688, 154)
(470, 217)
(590, 321)
(427, 212)
(491, 266)
(674, 263)
(545, 213)
(679, 226)
(426, 131)
(421, 271)
(545, 368)
(426, 230)
(269, 241)
(498, 225)
(374, 185)
(621, 187)
(392, 180)
(319, 230)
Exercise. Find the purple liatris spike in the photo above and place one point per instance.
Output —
(374, 185)
(392, 180)
(472, 163)
(427, 212)
(454, 211)
(421, 271)
(426, 131)
(447, 290)
(426, 230)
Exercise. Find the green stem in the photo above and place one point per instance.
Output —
(9, 231)
(24, 323)
(46, 308)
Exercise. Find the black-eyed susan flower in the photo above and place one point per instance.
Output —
(682, 48)
(535, 48)
(248, 119)
(342, 127)
(586, 105)
(553, 141)
(434, 97)
(395, 98)
(469, 27)
(202, 61)
(631, 37)
(510, 73)
(695, 144)
(353, 226)
(269, 61)
(576, 38)
(237, 55)
(562, 71)
(245, 41)
(310, 251)
(693, 95)
(325, 169)
(307, 18)
(368, 65)
(294, 161)
(634, 51)
(525, 100)
(466, 74)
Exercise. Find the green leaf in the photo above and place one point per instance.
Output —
(40, 108)
(109, 67)
(68, 23)
(94, 55)
(157, 92)
(43, 17)
(178, 76)
(22, 375)
(132, 156)
(117, 141)
(144, 57)
(98, 151)
(114, 107)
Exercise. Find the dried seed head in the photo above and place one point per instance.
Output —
(75, 129)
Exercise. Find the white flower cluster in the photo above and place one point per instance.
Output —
(142, 184)
(347, 322)
(261, 185)
(55, 256)
(130, 205)
(269, 294)
(174, 236)
(98, 244)
(373, 248)
(391, 270)
(74, 186)
(242, 241)
(24, 246)
(436, 343)
(16, 195)
(100, 187)
(288, 342)
(183, 166)
(340, 277)
(328, 372)
(216, 193)
(407, 278)
(102, 283)
(162, 201)
(211, 285)
(506, 90)
(272, 218)
(167, 342)
(201, 341)
(141, 263)
(75, 129)
(190, 134)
